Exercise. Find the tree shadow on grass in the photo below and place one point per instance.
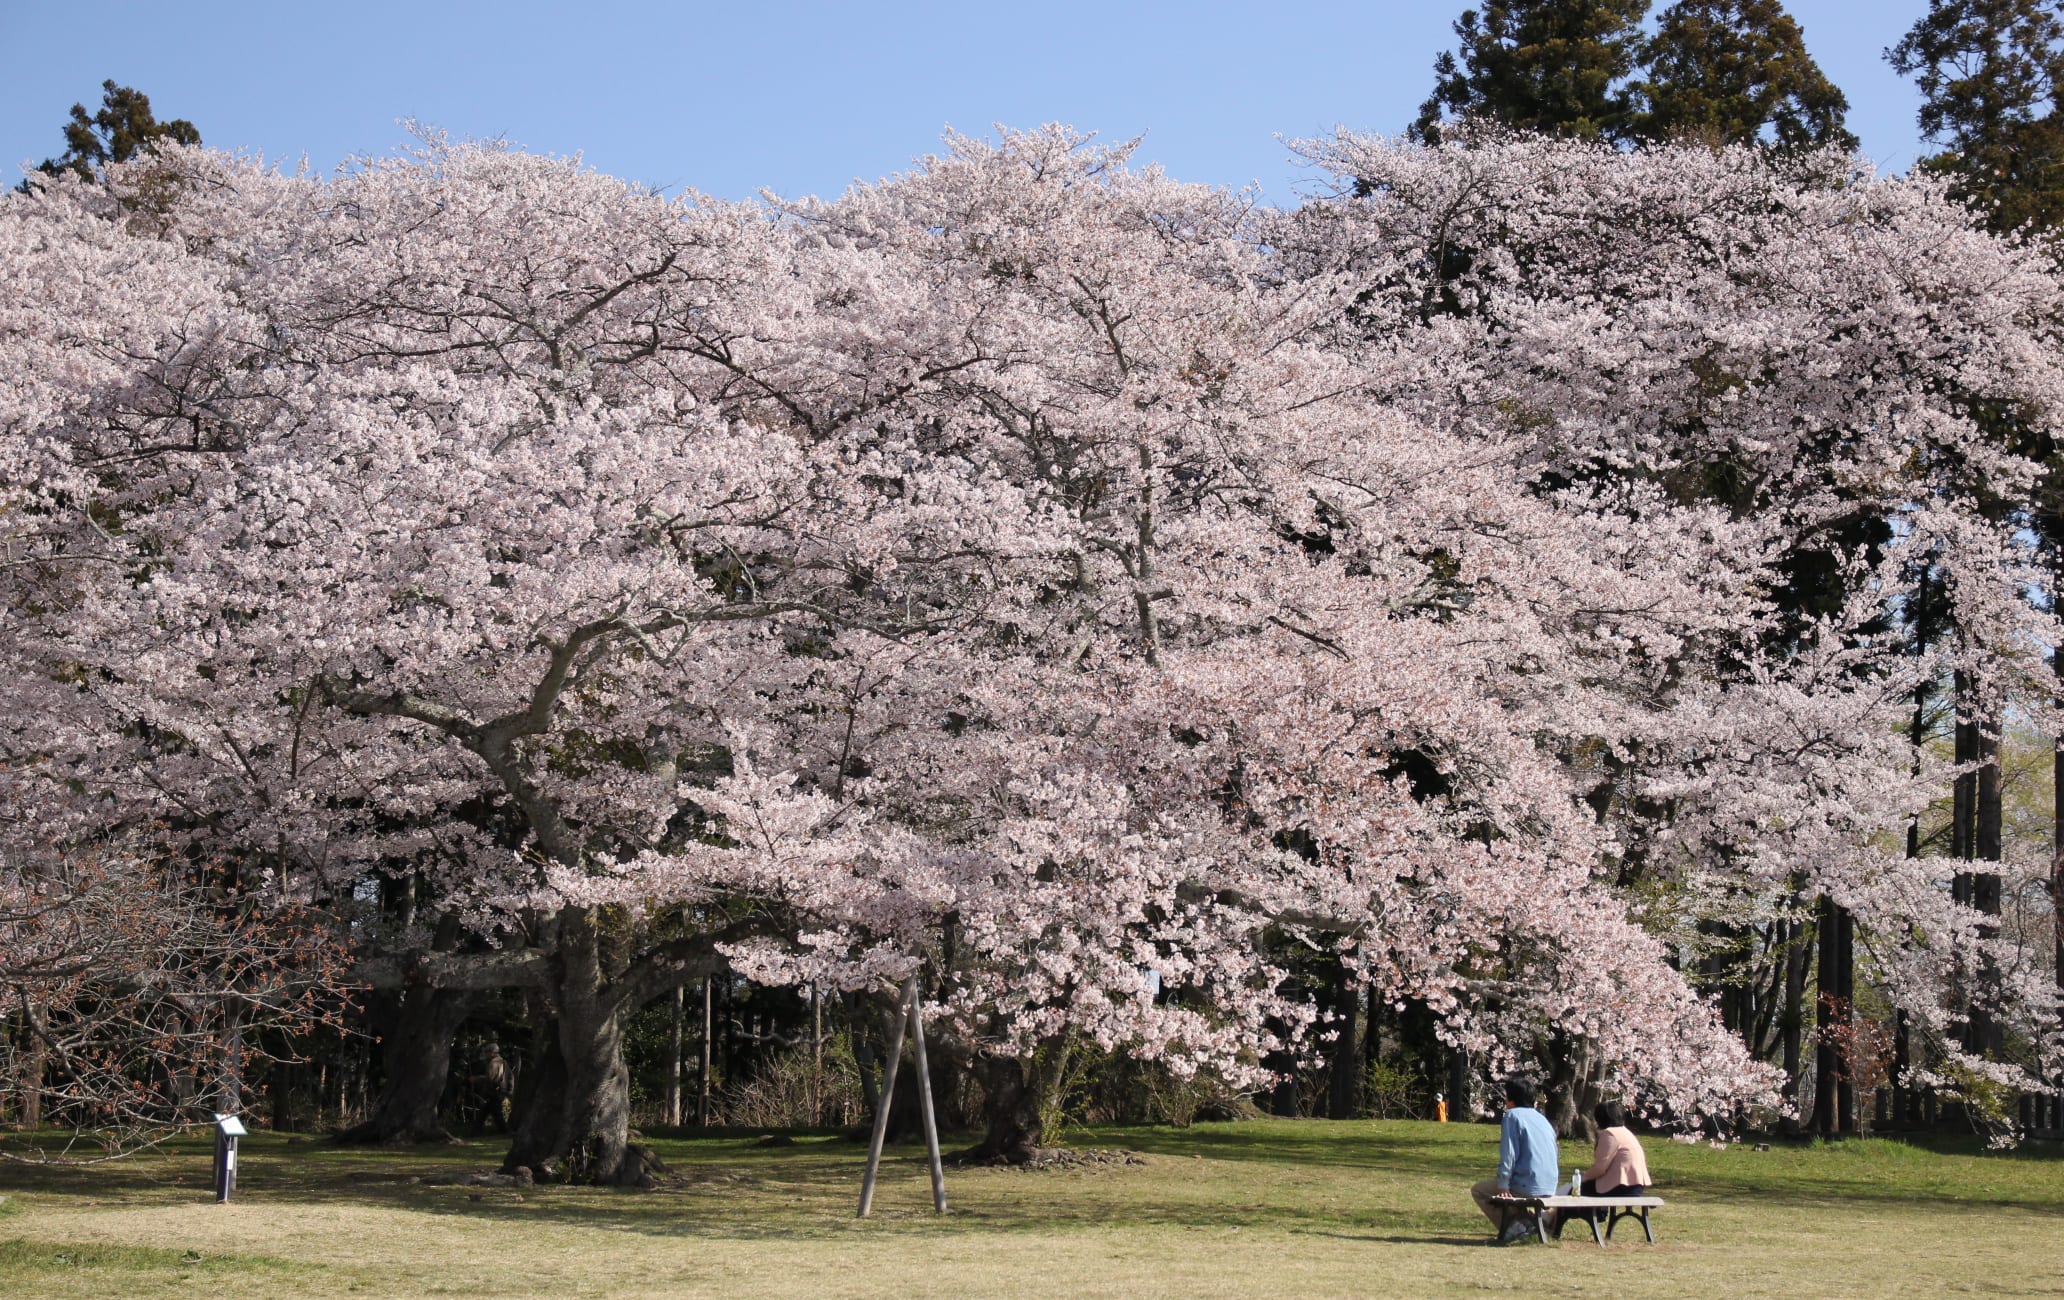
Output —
(732, 1189)
(1418, 1239)
(1965, 1177)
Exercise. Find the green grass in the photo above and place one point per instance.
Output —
(1268, 1207)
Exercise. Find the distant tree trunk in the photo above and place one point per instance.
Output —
(1826, 1062)
(1798, 952)
(35, 1055)
(2057, 853)
(1964, 794)
(1902, 1069)
(816, 1058)
(1845, 973)
(229, 1088)
(1976, 815)
(415, 1054)
(865, 1055)
(279, 1083)
(1342, 1079)
(1461, 1105)
(673, 1089)
(1372, 1041)
(1985, 1032)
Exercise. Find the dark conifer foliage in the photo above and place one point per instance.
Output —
(1734, 72)
(1988, 72)
(123, 127)
(1555, 66)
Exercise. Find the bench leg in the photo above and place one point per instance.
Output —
(1592, 1219)
(1541, 1225)
(1647, 1231)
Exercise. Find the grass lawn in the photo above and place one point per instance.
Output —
(1271, 1207)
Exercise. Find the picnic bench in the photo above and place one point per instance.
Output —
(1535, 1208)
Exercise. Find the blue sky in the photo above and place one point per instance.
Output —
(802, 97)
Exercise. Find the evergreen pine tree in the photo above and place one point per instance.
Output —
(1735, 72)
(1988, 72)
(1554, 66)
(123, 128)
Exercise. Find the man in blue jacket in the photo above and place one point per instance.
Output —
(1526, 1162)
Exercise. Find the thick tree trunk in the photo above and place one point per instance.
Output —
(540, 1098)
(1976, 817)
(595, 1132)
(416, 1056)
(1020, 1101)
(1015, 1120)
(586, 1137)
(1571, 1092)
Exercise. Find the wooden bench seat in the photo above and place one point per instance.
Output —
(1615, 1208)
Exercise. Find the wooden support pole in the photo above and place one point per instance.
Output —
(881, 1110)
(915, 1009)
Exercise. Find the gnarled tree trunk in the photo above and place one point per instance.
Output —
(1572, 1092)
(416, 1056)
(579, 1130)
(1020, 1103)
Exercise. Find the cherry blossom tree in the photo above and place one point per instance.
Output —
(1817, 350)
(1239, 518)
(1028, 570)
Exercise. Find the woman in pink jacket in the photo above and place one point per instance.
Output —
(1617, 1168)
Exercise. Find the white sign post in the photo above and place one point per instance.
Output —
(228, 1128)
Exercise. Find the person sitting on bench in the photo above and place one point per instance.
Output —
(1526, 1163)
(1618, 1168)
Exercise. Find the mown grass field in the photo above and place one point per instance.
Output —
(1268, 1207)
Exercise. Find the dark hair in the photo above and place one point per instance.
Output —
(1520, 1092)
(1610, 1114)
